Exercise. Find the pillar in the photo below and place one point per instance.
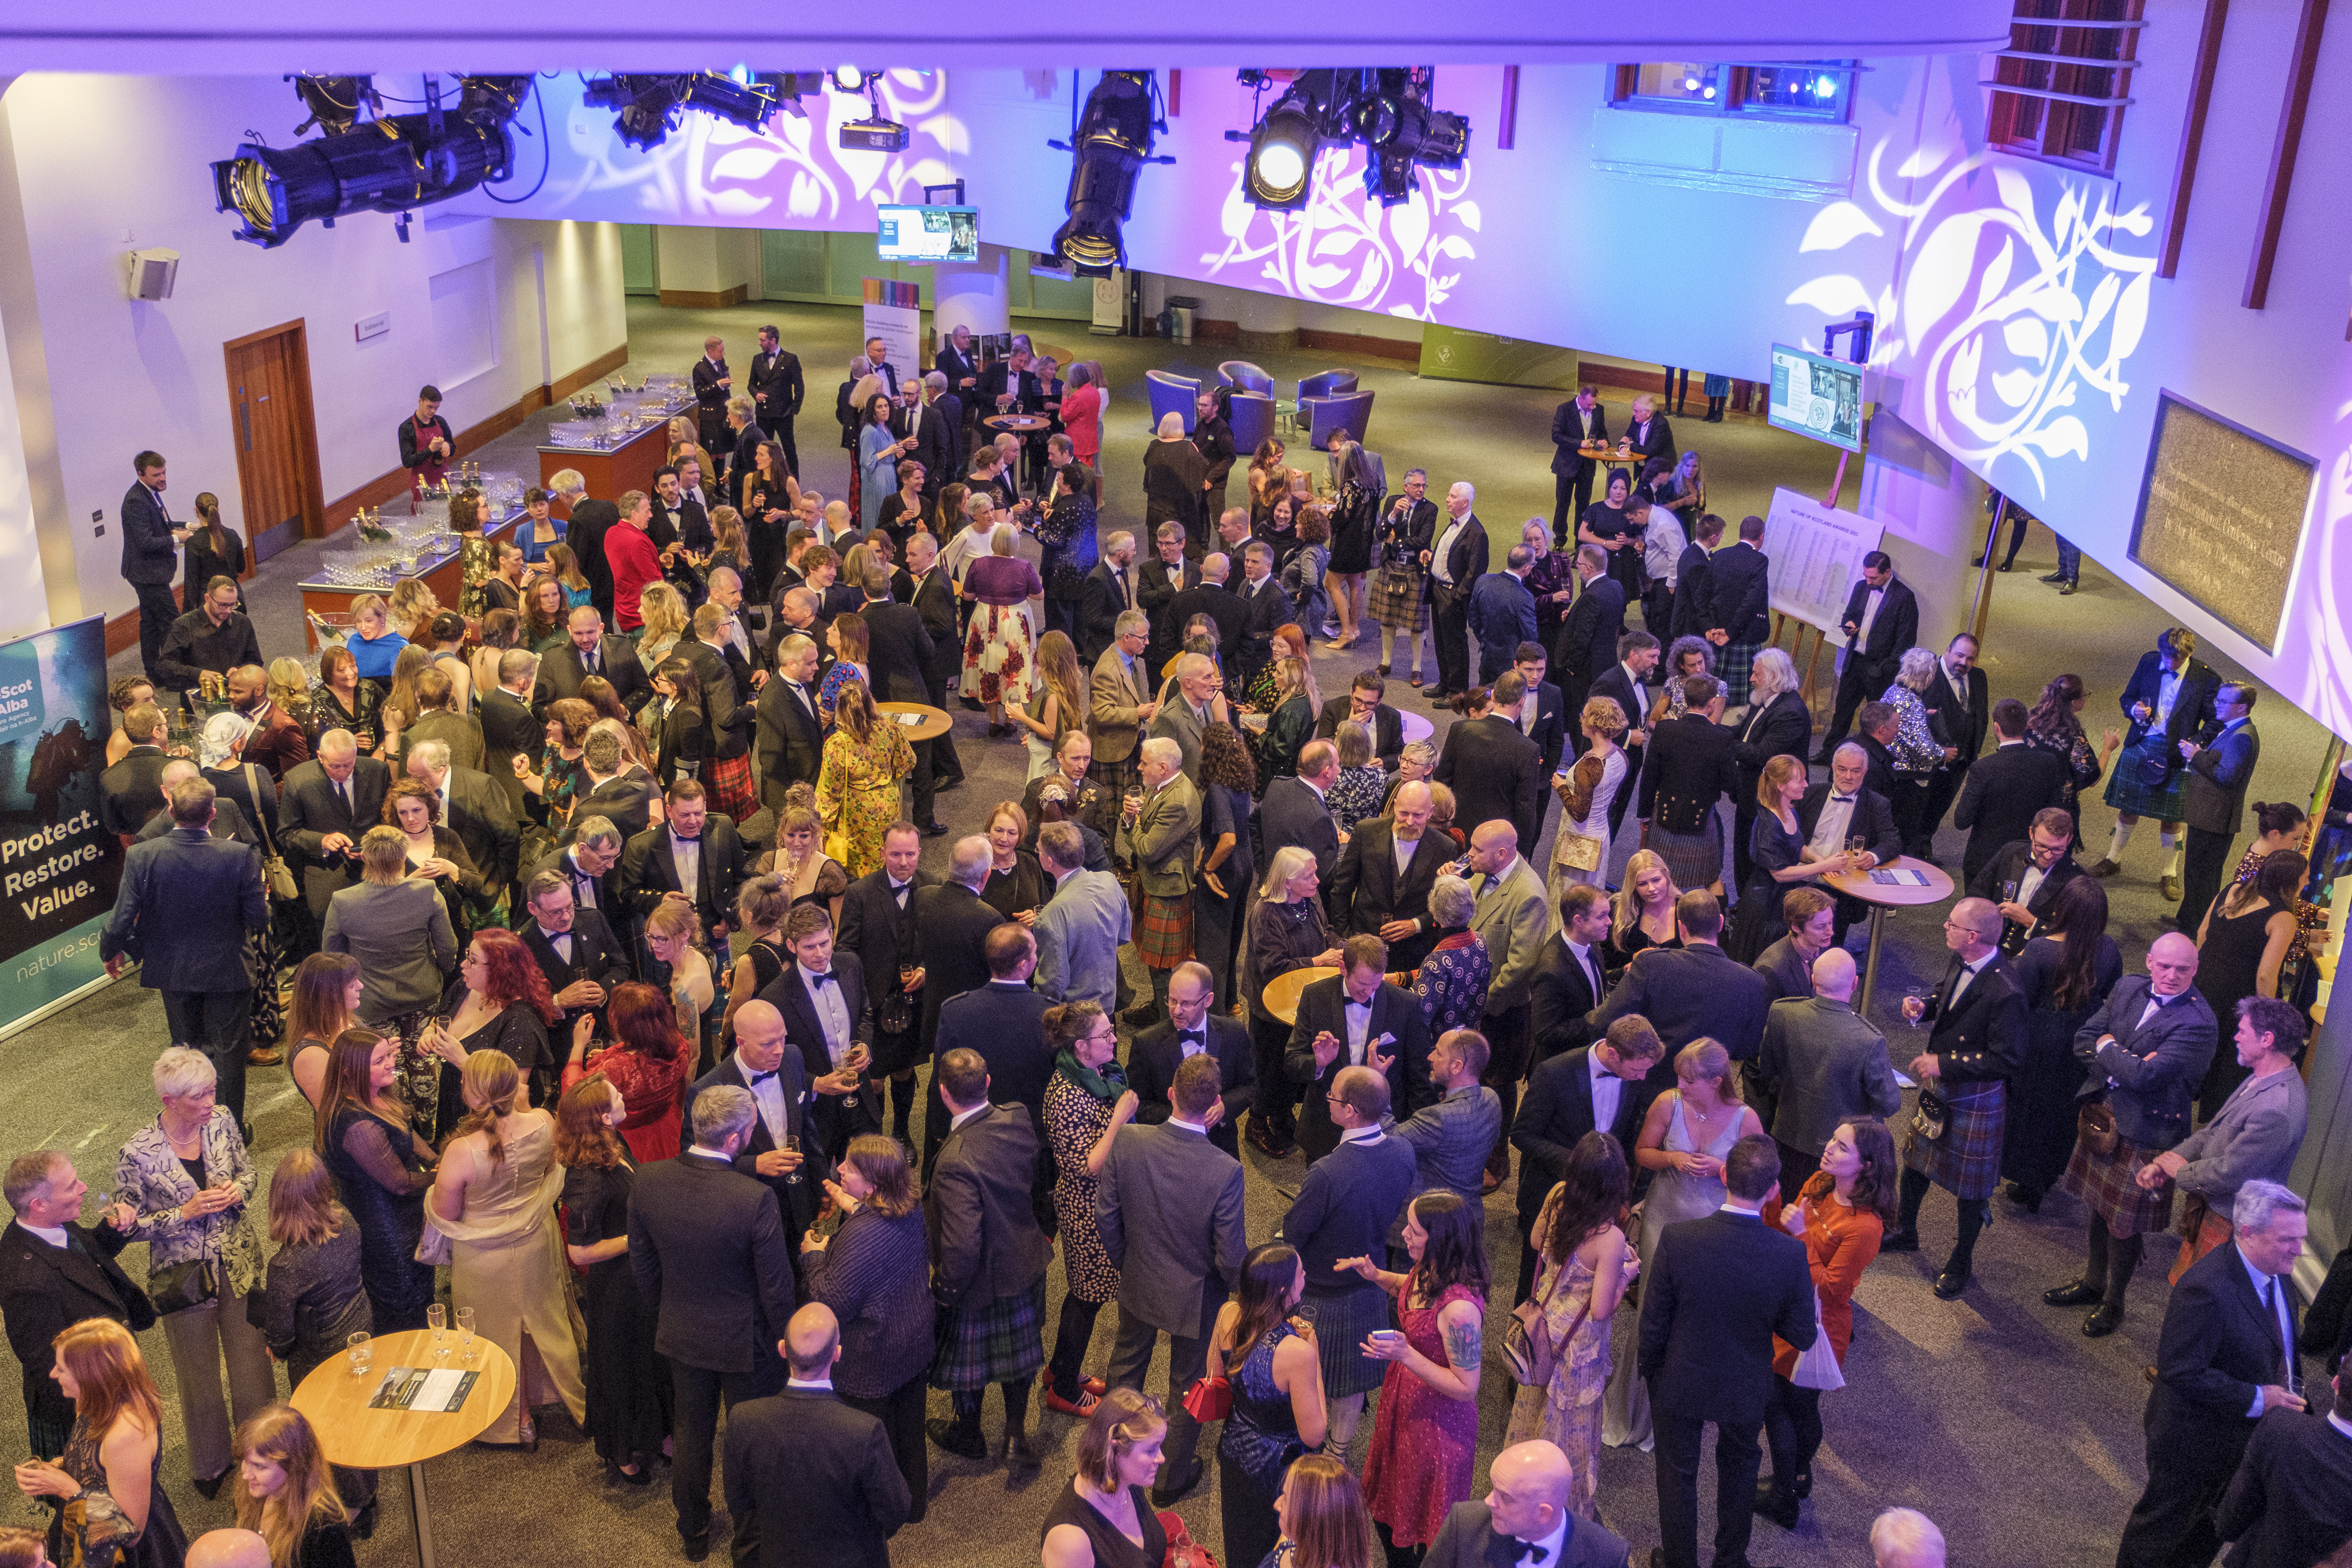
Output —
(707, 269)
(975, 294)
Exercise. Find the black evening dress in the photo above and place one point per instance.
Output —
(628, 1382)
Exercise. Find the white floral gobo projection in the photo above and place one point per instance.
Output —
(2008, 319)
(1344, 248)
(794, 170)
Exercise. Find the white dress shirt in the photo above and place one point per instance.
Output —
(1404, 849)
(1968, 972)
(768, 1093)
(1871, 599)
(1608, 1092)
(1829, 828)
(1545, 1553)
(1359, 1027)
(1444, 549)
(685, 858)
(832, 1012)
(54, 1234)
(561, 940)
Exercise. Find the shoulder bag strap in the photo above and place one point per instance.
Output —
(261, 824)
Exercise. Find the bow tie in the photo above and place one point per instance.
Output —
(824, 979)
(1847, 799)
(681, 839)
(1526, 1551)
(1198, 1036)
(759, 1078)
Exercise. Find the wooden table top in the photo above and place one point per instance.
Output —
(1599, 449)
(935, 721)
(1282, 991)
(1859, 885)
(359, 1438)
(1016, 422)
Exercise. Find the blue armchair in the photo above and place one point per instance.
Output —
(1251, 418)
(1171, 394)
(1350, 411)
(1241, 374)
(1330, 383)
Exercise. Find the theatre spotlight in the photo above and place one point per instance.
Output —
(1388, 109)
(878, 132)
(335, 101)
(1110, 143)
(650, 105)
(381, 165)
(1280, 169)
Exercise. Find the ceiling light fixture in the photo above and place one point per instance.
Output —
(650, 105)
(1389, 108)
(1109, 143)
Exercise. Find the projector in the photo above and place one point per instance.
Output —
(873, 136)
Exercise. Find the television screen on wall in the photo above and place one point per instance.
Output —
(1817, 397)
(928, 234)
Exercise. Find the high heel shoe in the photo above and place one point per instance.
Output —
(529, 1433)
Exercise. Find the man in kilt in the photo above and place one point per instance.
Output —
(988, 1262)
(1740, 596)
(2146, 1049)
(1976, 1042)
(1158, 835)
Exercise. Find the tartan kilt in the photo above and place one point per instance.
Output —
(1397, 600)
(1732, 663)
(2105, 1183)
(1341, 1322)
(1163, 932)
(1966, 1161)
(1002, 1340)
(2127, 795)
(731, 788)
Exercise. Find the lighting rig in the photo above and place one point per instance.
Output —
(1110, 140)
(1391, 109)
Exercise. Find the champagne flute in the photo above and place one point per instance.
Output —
(436, 1318)
(362, 1351)
(793, 1147)
(465, 1351)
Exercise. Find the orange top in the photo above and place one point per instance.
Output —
(1840, 1242)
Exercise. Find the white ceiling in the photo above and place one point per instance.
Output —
(151, 38)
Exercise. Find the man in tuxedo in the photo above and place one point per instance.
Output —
(1692, 990)
(1363, 704)
(590, 652)
(2038, 865)
(590, 865)
(619, 793)
(1599, 1088)
(1651, 435)
(323, 810)
(1169, 1205)
(934, 600)
(1831, 815)
(1121, 703)
(1717, 1291)
(710, 1253)
(712, 386)
(1525, 1518)
(586, 524)
(952, 926)
(1637, 653)
(573, 948)
(1510, 917)
(1739, 602)
(1169, 573)
(1110, 593)
(1881, 623)
(1192, 1028)
(1959, 696)
(1579, 419)
(2007, 791)
(1380, 885)
(694, 857)
(1566, 984)
(1493, 769)
(776, 1075)
(820, 996)
(1456, 559)
(811, 1480)
(509, 729)
(957, 361)
(2215, 799)
(1502, 613)
(1214, 599)
(789, 739)
(1822, 1065)
(131, 791)
(1976, 1045)
(1293, 811)
(1591, 634)
(2171, 699)
(1085, 923)
(55, 1272)
(936, 429)
(877, 924)
(151, 558)
(1544, 719)
(2290, 1500)
(2225, 1358)
(1355, 1018)
(777, 393)
(475, 809)
(899, 649)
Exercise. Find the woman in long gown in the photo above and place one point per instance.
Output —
(382, 1168)
(1587, 1268)
(858, 783)
(495, 1200)
(2066, 971)
(1270, 1359)
(1587, 788)
(1689, 1134)
(627, 1394)
(113, 1461)
(877, 461)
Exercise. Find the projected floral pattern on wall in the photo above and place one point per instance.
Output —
(795, 173)
(1344, 248)
(2019, 301)
(2328, 557)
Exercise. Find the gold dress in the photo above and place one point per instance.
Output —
(477, 560)
(857, 792)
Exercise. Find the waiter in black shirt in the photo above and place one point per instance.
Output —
(426, 442)
(777, 393)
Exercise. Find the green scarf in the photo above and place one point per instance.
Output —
(1106, 1083)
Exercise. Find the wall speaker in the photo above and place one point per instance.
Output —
(152, 272)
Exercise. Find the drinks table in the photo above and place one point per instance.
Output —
(353, 1435)
(1282, 991)
(1882, 897)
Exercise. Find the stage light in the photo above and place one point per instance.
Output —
(650, 105)
(1387, 108)
(382, 165)
(1109, 148)
(852, 79)
(335, 101)
(1280, 169)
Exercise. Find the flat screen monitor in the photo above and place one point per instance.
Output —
(1817, 397)
(928, 234)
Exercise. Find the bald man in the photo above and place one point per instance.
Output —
(811, 1479)
(2148, 1046)
(229, 1548)
(1976, 1045)
(1820, 1064)
(1906, 1538)
(1528, 1517)
(778, 1080)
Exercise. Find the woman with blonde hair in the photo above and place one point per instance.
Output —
(671, 932)
(288, 688)
(1284, 929)
(1355, 793)
(1290, 723)
(1778, 724)
(373, 640)
(412, 607)
(285, 1493)
(1103, 1518)
(1643, 913)
(495, 1200)
(662, 609)
(857, 779)
(22, 1548)
(1587, 789)
(401, 706)
(1059, 702)
(622, 1373)
(1017, 886)
(1780, 858)
(1682, 1143)
(113, 1463)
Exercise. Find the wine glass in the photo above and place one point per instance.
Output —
(1857, 845)
(362, 1351)
(1916, 993)
(436, 1318)
(793, 1147)
(465, 1351)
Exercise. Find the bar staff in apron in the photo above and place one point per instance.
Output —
(426, 442)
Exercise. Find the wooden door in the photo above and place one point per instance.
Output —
(276, 440)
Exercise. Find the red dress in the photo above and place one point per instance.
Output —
(654, 1092)
(1423, 1444)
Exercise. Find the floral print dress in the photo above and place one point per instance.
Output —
(857, 791)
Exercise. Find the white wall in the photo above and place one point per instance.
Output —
(96, 180)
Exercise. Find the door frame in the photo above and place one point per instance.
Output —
(306, 436)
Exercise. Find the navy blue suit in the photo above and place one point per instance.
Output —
(1502, 616)
(183, 907)
(150, 559)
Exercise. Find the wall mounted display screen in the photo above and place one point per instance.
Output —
(2220, 516)
(1816, 397)
(928, 234)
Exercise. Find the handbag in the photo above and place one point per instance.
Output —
(176, 1287)
(1575, 851)
(434, 1247)
(1817, 1365)
(1183, 1551)
(1210, 1399)
(275, 872)
(2095, 1125)
(1930, 1117)
(1528, 1348)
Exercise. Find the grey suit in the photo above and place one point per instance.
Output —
(1078, 935)
(312, 809)
(1824, 1064)
(401, 935)
(1169, 1205)
(1451, 1139)
(2255, 1135)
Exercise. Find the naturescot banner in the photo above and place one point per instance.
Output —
(58, 867)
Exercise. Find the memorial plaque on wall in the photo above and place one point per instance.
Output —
(2220, 516)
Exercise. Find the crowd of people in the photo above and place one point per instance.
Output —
(489, 888)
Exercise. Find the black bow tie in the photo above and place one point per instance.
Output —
(681, 839)
(1846, 798)
(759, 1078)
(1525, 1550)
(1198, 1036)
(824, 979)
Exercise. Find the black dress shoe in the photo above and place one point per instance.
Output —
(2055, 577)
(363, 1524)
(1777, 1506)
(1949, 1283)
(2102, 1322)
(2025, 1197)
(1176, 1489)
(1900, 1241)
(1018, 1457)
(964, 1442)
(698, 1547)
(208, 1490)
(933, 830)
(2078, 1294)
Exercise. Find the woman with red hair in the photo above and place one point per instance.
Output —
(113, 1461)
(648, 1064)
(503, 1005)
